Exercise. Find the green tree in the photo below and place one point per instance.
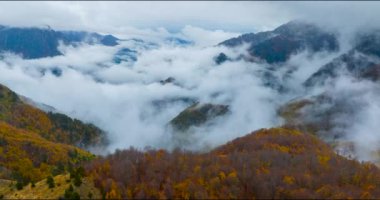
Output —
(77, 175)
(71, 194)
(19, 185)
(50, 182)
(77, 180)
(90, 195)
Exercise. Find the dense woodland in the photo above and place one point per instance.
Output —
(35, 144)
(272, 163)
(52, 126)
(269, 163)
(27, 157)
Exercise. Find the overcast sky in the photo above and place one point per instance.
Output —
(173, 16)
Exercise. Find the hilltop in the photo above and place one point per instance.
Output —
(269, 163)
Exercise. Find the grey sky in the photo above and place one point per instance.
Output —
(225, 15)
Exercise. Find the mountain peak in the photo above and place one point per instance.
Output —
(297, 27)
(276, 46)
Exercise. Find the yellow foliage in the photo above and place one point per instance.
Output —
(113, 194)
(325, 191)
(288, 180)
(232, 174)
(215, 181)
(42, 190)
(31, 155)
(201, 181)
(222, 175)
(129, 193)
(181, 190)
(264, 171)
(323, 160)
(197, 169)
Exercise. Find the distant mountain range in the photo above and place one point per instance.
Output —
(33, 43)
(276, 47)
(310, 114)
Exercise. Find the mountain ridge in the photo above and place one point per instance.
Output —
(278, 45)
(33, 42)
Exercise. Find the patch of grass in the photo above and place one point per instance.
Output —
(43, 191)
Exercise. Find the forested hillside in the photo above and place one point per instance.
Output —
(52, 126)
(35, 144)
(269, 163)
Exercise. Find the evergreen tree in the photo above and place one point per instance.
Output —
(50, 182)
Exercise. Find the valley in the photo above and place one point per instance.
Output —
(283, 111)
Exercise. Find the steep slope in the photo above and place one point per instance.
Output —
(41, 190)
(269, 163)
(197, 114)
(276, 46)
(361, 62)
(330, 117)
(35, 144)
(52, 126)
(43, 42)
(308, 114)
(26, 156)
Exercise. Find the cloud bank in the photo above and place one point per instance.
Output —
(121, 98)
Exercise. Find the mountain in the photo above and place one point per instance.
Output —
(362, 61)
(35, 144)
(270, 163)
(53, 126)
(221, 58)
(175, 41)
(327, 114)
(34, 43)
(197, 114)
(70, 37)
(308, 114)
(125, 55)
(278, 45)
(26, 156)
(329, 117)
(307, 157)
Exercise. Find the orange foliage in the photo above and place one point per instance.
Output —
(270, 163)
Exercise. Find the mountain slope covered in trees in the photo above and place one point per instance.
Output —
(35, 144)
(52, 126)
(269, 163)
(26, 157)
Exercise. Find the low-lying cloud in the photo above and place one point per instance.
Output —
(121, 97)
